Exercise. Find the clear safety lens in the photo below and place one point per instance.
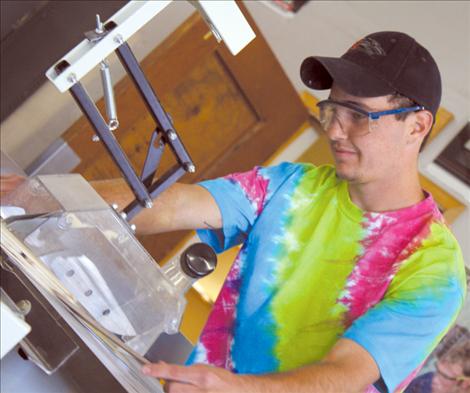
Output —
(373, 124)
(351, 121)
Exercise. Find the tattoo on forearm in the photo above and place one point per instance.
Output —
(208, 225)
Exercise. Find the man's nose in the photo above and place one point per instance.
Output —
(335, 131)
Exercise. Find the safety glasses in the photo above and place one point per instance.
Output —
(352, 119)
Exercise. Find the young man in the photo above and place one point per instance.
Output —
(347, 277)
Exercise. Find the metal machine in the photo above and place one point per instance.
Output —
(76, 257)
(225, 20)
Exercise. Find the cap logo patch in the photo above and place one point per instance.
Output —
(369, 46)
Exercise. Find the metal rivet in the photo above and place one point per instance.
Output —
(113, 124)
(172, 135)
(70, 273)
(24, 306)
(190, 168)
(72, 78)
(106, 312)
(118, 39)
(88, 293)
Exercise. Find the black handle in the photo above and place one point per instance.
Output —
(198, 260)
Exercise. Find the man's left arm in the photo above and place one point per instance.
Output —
(347, 368)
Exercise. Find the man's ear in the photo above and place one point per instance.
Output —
(420, 126)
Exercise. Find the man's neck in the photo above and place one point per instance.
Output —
(387, 195)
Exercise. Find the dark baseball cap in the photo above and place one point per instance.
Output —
(379, 64)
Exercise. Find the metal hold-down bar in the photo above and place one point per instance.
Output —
(164, 133)
(90, 110)
(165, 181)
(227, 22)
(164, 127)
(153, 104)
(154, 155)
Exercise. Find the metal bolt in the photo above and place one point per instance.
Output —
(72, 78)
(113, 124)
(190, 168)
(148, 204)
(115, 206)
(123, 215)
(133, 228)
(99, 26)
(95, 138)
(65, 222)
(70, 273)
(118, 39)
(24, 307)
(172, 135)
(36, 187)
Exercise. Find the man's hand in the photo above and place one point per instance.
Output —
(9, 183)
(200, 379)
(348, 368)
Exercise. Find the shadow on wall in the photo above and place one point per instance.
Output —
(43, 30)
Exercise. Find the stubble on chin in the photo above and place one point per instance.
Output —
(343, 175)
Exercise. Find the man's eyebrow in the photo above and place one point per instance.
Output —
(360, 105)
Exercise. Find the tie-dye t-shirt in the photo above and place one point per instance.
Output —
(313, 268)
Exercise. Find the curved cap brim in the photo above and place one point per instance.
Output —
(318, 73)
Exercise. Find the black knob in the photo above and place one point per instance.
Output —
(198, 260)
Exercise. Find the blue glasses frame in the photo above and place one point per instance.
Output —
(372, 115)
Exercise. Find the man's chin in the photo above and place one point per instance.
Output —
(345, 175)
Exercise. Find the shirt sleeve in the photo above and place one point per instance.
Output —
(241, 198)
(401, 331)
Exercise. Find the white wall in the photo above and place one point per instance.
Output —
(330, 27)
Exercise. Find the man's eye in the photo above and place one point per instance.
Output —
(330, 108)
(356, 116)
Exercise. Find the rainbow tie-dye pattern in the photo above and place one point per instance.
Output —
(314, 268)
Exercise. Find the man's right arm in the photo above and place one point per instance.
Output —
(181, 206)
